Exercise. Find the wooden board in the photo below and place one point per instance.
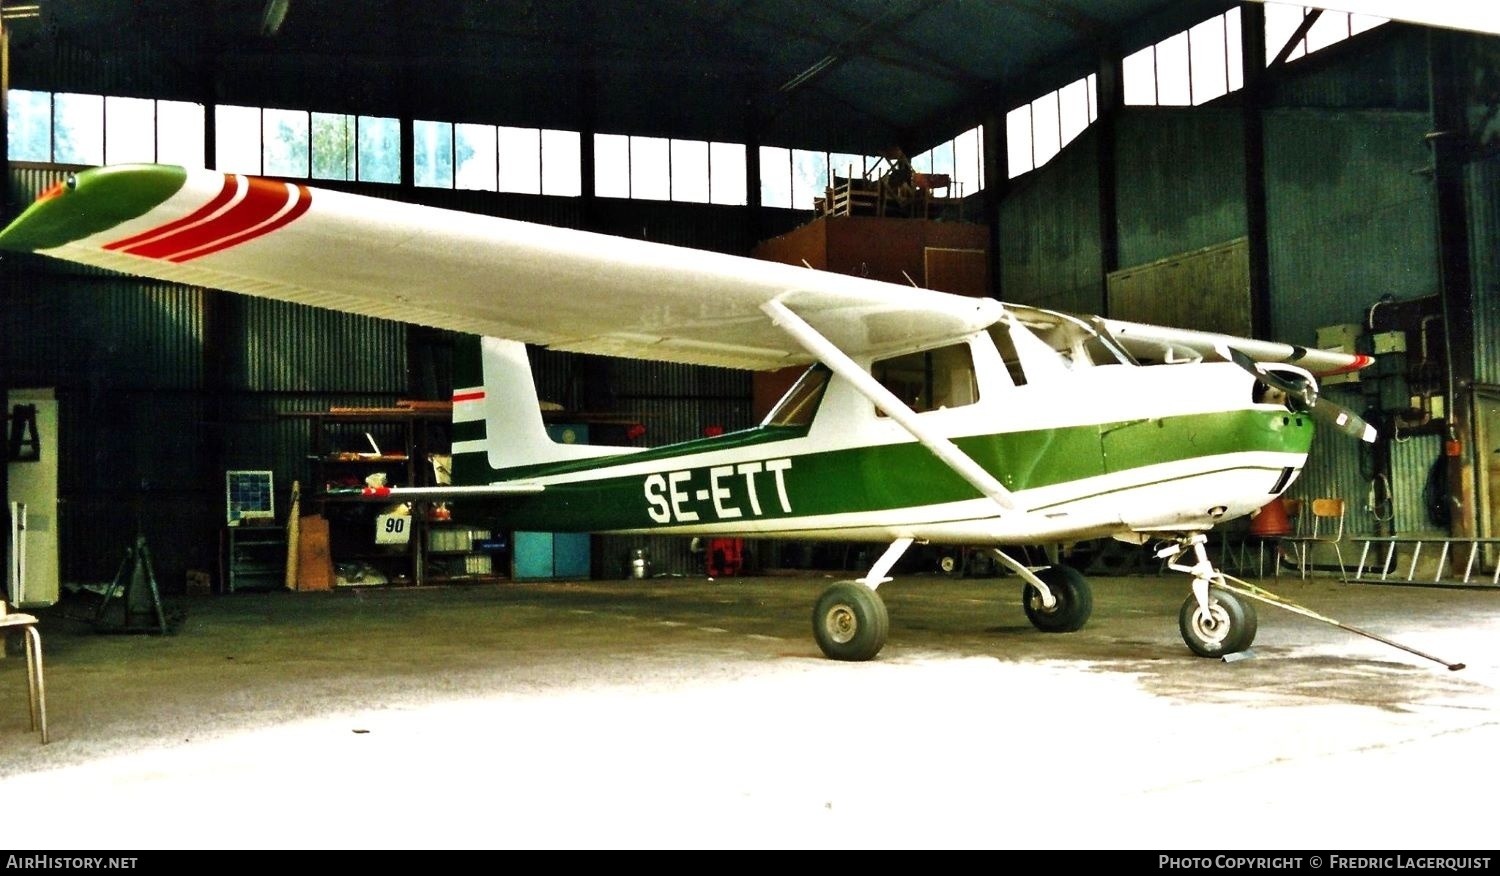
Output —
(1207, 290)
(314, 562)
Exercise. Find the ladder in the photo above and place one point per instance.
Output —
(1474, 554)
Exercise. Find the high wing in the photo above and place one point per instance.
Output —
(561, 288)
(1153, 342)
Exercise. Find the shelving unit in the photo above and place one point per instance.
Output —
(345, 452)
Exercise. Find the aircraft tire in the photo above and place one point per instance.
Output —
(850, 621)
(1075, 601)
(1227, 628)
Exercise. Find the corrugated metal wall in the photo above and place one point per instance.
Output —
(1350, 219)
(280, 347)
(1483, 195)
(1350, 215)
(1411, 463)
(1049, 234)
(1180, 181)
(1344, 469)
(1385, 68)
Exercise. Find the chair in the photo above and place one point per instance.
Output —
(38, 691)
(1324, 525)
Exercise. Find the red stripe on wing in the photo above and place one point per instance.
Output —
(192, 218)
(262, 200)
(302, 200)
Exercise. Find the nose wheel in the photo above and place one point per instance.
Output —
(1213, 620)
(1226, 625)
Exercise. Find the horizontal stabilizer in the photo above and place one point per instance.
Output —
(431, 494)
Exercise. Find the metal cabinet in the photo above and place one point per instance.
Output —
(255, 558)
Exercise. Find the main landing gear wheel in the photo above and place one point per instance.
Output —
(850, 621)
(1228, 626)
(1075, 601)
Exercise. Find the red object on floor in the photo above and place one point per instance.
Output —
(1271, 521)
(726, 557)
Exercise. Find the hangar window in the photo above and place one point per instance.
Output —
(378, 149)
(661, 169)
(562, 156)
(796, 178)
(332, 146)
(520, 159)
(961, 159)
(286, 144)
(237, 138)
(932, 379)
(1329, 27)
(93, 129)
(1036, 132)
(650, 168)
(432, 154)
(129, 130)
(775, 176)
(475, 158)
(612, 165)
(1206, 61)
(28, 124)
(179, 133)
(78, 128)
(689, 171)
(809, 177)
(726, 174)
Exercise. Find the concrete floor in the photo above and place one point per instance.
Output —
(681, 713)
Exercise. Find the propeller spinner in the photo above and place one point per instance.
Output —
(1302, 396)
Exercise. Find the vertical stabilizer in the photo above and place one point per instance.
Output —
(497, 417)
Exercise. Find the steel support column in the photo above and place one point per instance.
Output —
(996, 185)
(1448, 75)
(1252, 109)
(1111, 101)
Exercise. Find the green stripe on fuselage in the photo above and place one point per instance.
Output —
(98, 200)
(864, 479)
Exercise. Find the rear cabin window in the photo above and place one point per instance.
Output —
(931, 380)
(797, 407)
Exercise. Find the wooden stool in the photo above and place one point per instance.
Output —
(38, 690)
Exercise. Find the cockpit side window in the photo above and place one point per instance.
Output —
(932, 379)
(798, 406)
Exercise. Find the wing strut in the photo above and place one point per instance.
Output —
(829, 354)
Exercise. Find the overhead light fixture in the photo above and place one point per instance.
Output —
(270, 20)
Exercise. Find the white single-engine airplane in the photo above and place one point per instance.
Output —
(923, 417)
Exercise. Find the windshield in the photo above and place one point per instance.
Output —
(1036, 343)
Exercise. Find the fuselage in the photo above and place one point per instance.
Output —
(1088, 445)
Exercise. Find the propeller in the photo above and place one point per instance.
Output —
(1302, 396)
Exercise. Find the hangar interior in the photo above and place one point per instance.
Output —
(1317, 177)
